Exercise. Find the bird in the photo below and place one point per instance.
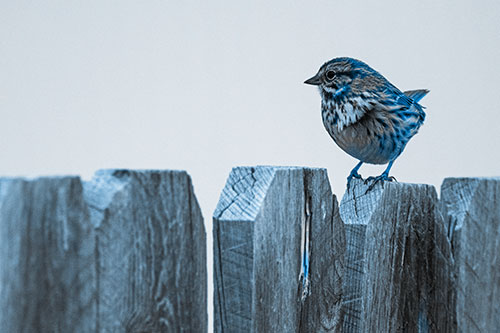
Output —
(366, 115)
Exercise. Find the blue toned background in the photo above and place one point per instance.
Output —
(208, 85)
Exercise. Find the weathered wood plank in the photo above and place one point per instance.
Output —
(151, 252)
(123, 252)
(398, 260)
(46, 257)
(278, 248)
(471, 207)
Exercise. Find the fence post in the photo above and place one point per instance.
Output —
(278, 248)
(123, 252)
(46, 257)
(471, 207)
(398, 260)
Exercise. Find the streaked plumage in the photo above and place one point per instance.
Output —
(366, 115)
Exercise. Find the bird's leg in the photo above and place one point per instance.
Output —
(354, 174)
(384, 177)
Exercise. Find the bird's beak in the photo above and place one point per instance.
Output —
(315, 81)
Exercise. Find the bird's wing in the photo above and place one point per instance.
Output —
(403, 104)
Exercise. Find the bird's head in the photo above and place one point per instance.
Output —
(342, 76)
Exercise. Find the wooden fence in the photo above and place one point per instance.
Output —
(126, 252)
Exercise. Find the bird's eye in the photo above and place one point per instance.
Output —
(330, 75)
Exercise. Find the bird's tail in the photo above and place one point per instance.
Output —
(416, 95)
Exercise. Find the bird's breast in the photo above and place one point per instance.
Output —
(375, 138)
(360, 143)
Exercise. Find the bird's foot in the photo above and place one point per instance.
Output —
(383, 177)
(353, 174)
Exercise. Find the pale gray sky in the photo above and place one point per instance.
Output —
(208, 85)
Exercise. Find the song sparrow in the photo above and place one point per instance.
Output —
(366, 115)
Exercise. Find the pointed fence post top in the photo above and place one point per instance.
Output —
(358, 204)
(246, 188)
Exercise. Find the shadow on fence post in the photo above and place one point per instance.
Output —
(123, 252)
(471, 207)
(398, 260)
(278, 251)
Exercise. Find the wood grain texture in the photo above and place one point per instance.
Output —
(471, 207)
(266, 221)
(398, 260)
(150, 252)
(46, 257)
(124, 252)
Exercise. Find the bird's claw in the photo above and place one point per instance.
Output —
(351, 176)
(375, 180)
